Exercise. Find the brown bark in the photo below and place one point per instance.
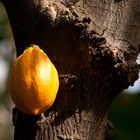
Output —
(94, 45)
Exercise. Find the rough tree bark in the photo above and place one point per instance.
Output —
(94, 45)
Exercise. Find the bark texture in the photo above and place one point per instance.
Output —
(94, 45)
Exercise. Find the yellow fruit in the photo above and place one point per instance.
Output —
(33, 81)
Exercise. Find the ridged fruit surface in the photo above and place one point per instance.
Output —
(34, 81)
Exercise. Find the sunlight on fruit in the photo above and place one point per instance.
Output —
(34, 81)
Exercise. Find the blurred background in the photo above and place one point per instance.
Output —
(7, 56)
(124, 112)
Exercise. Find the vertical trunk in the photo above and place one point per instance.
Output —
(94, 45)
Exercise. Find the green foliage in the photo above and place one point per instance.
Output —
(125, 116)
(5, 30)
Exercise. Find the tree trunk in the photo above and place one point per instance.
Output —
(94, 45)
